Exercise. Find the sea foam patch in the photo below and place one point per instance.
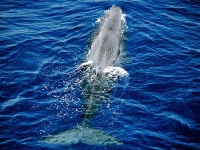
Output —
(110, 70)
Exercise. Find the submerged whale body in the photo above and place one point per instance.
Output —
(103, 53)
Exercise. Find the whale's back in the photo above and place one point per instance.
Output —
(105, 47)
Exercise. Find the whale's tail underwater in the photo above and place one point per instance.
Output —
(82, 134)
(100, 79)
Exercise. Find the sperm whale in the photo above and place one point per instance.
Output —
(98, 78)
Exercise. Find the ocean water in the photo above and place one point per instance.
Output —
(43, 42)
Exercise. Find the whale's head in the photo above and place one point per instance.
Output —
(114, 19)
(115, 10)
(105, 48)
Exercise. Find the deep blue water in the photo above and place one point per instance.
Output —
(43, 42)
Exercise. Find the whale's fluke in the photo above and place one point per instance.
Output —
(82, 134)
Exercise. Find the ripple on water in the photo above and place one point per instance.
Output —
(42, 43)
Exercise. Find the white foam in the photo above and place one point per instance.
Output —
(123, 18)
(116, 71)
(87, 63)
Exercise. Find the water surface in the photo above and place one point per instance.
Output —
(43, 42)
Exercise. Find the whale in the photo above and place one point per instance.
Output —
(98, 76)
